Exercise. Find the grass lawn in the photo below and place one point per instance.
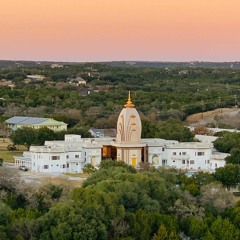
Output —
(82, 175)
(7, 156)
(4, 143)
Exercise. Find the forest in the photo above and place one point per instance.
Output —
(121, 203)
(159, 93)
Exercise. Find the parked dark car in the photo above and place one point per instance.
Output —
(23, 168)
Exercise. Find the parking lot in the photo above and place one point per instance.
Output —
(44, 178)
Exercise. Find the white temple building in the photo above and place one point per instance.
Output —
(72, 154)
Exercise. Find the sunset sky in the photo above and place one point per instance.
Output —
(107, 30)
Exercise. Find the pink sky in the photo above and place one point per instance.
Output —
(106, 30)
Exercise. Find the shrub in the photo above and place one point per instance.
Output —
(11, 147)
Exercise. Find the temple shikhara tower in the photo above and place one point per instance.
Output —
(129, 128)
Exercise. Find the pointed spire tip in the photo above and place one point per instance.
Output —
(129, 103)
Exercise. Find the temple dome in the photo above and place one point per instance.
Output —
(129, 126)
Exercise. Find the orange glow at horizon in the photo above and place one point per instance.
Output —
(105, 30)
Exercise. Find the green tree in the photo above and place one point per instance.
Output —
(163, 234)
(227, 142)
(202, 178)
(234, 157)
(223, 229)
(70, 221)
(89, 168)
(175, 130)
(42, 135)
(149, 129)
(5, 212)
(83, 131)
(108, 163)
(23, 136)
(197, 228)
(229, 175)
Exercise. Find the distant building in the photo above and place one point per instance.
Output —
(81, 81)
(102, 133)
(56, 65)
(78, 81)
(18, 122)
(36, 77)
(183, 72)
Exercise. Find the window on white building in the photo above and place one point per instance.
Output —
(67, 165)
(200, 153)
(164, 162)
(191, 161)
(183, 161)
(173, 160)
(45, 166)
(174, 153)
(215, 165)
(76, 156)
(67, 156)
(55, 157)
(184, 153)
(63, 166)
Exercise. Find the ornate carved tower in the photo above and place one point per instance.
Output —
(129, 129)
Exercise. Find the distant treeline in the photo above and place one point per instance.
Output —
(159, 93)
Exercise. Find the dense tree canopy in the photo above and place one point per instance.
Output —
(229, 175)
(28, 136)
(234, 157)
(171, 129)
(158, 93)
(117, 202)
(24, 136)
(227, 141)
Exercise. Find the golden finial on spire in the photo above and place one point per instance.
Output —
(129, 103)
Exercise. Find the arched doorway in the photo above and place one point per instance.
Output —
(155, 160)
